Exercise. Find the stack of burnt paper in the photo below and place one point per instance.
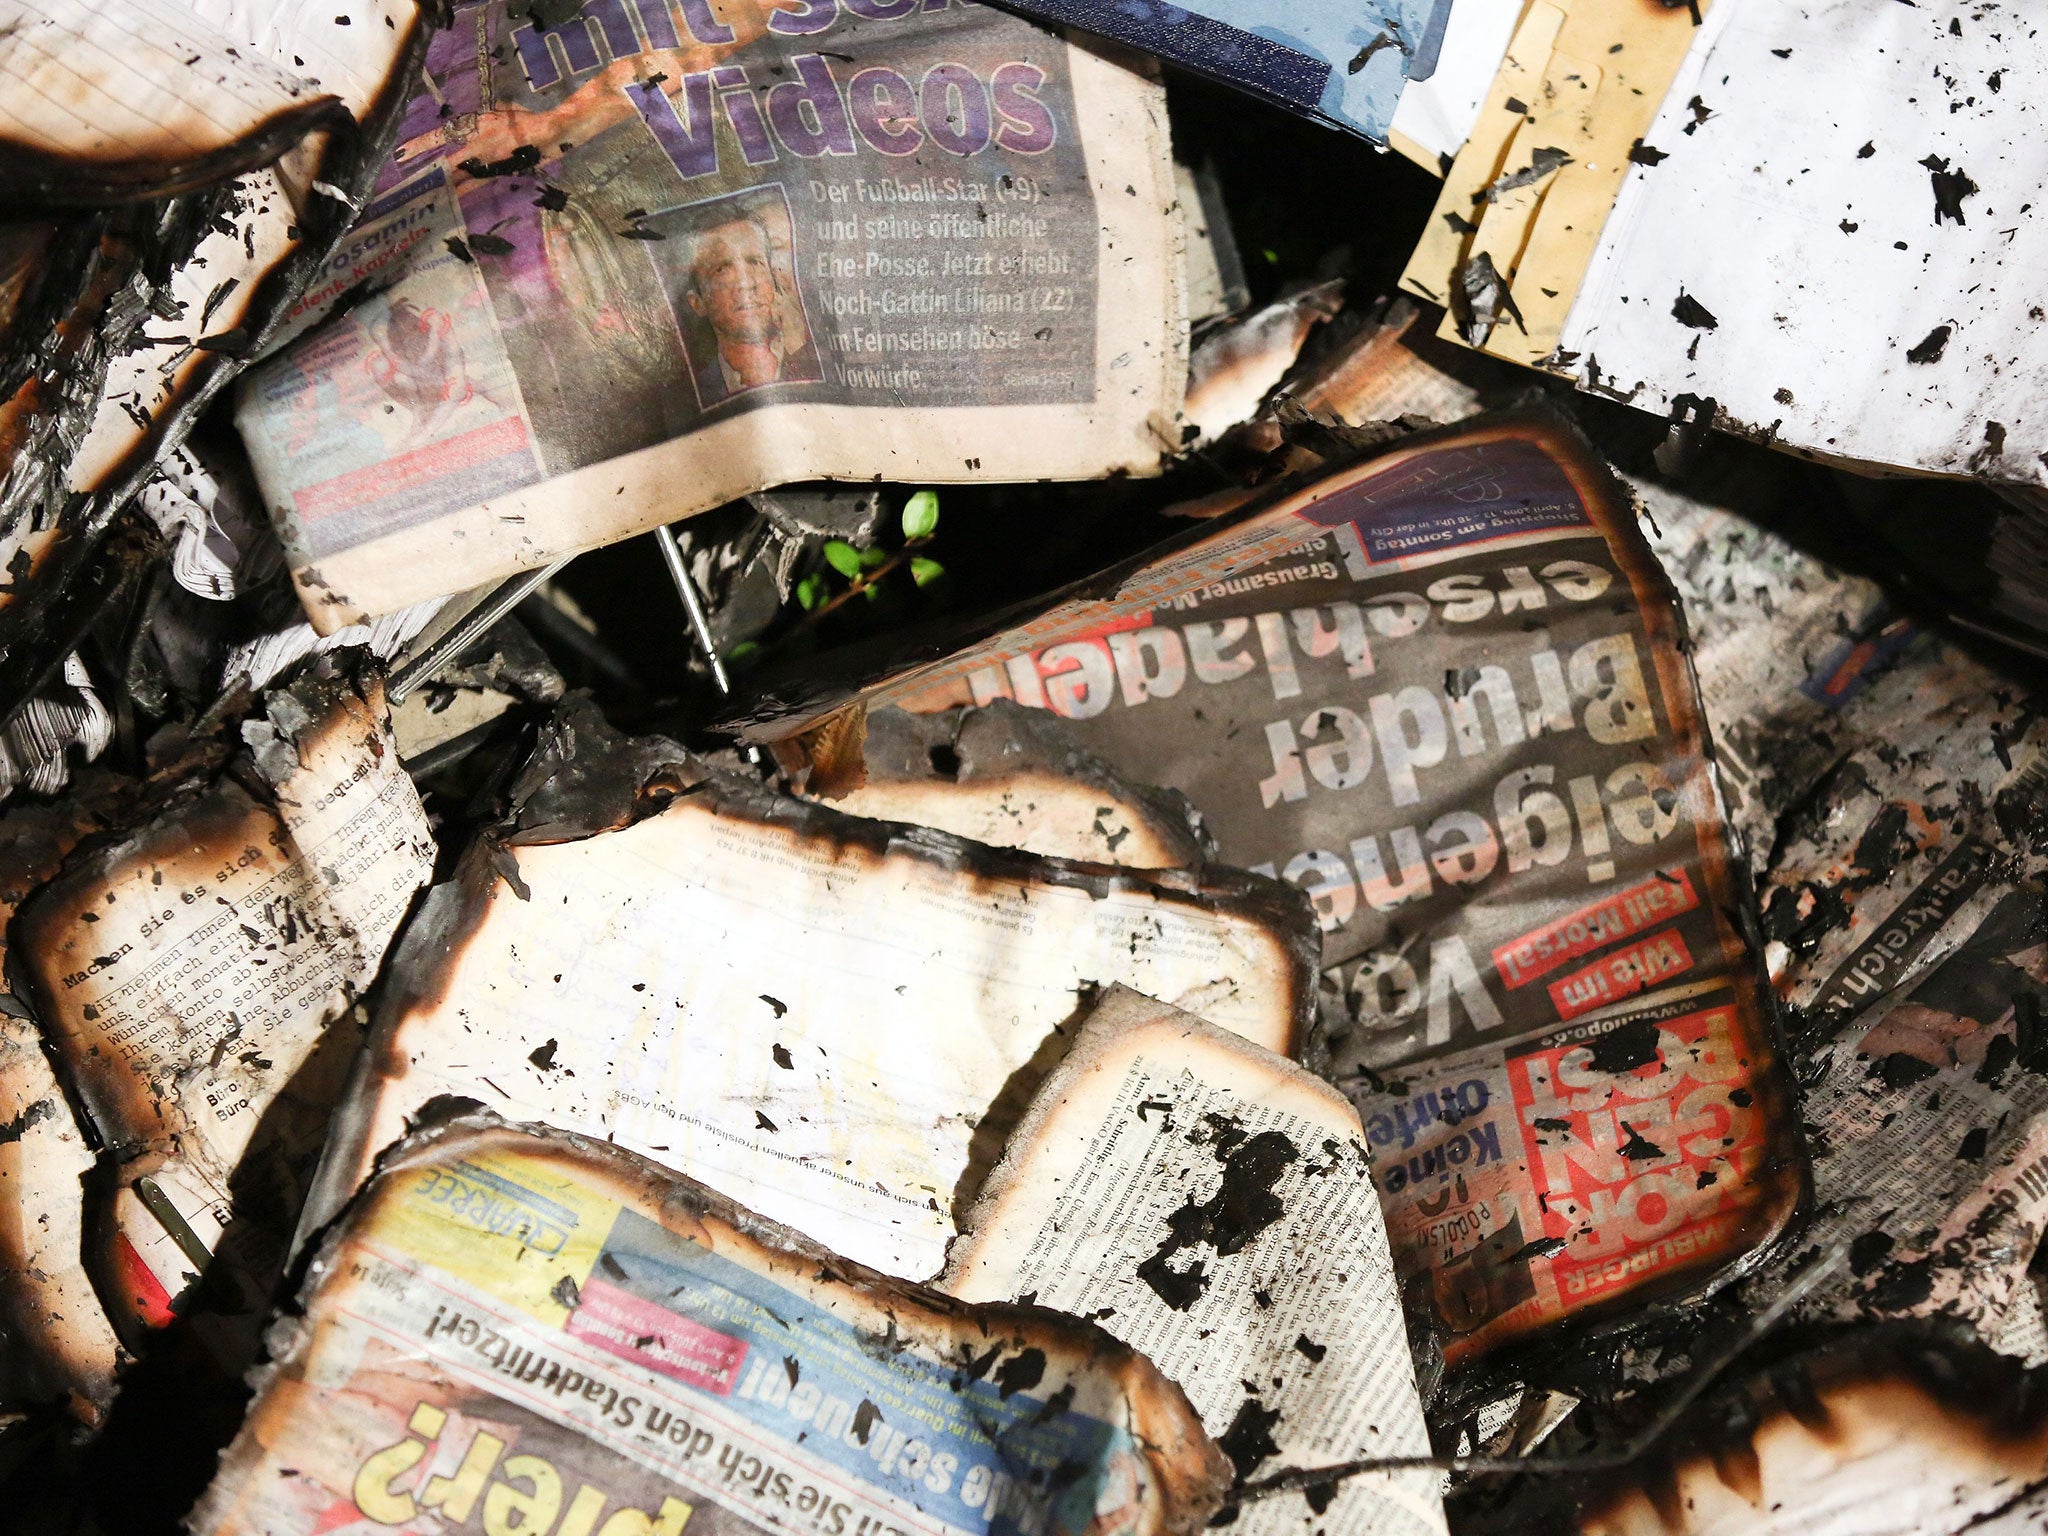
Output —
(1442, 692)
(188, 949)
(745, 792)
(173, 174)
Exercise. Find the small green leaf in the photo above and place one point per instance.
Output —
(811, 590)
(843, 558)
(921, 515)
(870, 558)
(924, 572)
(743, 653)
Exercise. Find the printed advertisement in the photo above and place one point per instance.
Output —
(1530, 1185)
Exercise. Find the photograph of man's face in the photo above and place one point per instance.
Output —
(743, 318)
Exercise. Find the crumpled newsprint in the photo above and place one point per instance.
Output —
(1890, 789)
(642, 262)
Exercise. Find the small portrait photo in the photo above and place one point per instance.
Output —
(734, 290)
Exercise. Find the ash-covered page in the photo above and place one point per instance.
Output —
(1818, 161)
(824, 1017)
(1907, 927)
(59, 1344)
(1442, 691)
(1212, 1205)
(531, 1328)
(671, 256)
(186, 972)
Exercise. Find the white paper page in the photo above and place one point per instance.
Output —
(1438, 113)
(1798, 205)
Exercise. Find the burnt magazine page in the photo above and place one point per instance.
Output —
(1442, 692)
(514, 1328)
(659, 255)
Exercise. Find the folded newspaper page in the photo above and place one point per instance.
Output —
(835, 1020)
(998, 776)
(1212, 1205)
(531, 1327)
(1442, 691)
(1890, 1432)
(187, 969)
(644, 261)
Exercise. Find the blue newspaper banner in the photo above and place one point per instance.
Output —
(1341, 62)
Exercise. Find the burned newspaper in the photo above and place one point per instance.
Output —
(997, 775)
(172, 177)
(190, 971)
(1212, 1204)
(530, 1327)
(59, 1345)
(1888, 787)
(642, 261)
(1442, 691)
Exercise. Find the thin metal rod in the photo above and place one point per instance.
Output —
(693, 604)
(507, 596)
(1703, 1376)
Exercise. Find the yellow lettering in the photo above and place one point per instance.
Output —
(508, 1512)
(583, 1512)
(456, 1496)
(372, 1491)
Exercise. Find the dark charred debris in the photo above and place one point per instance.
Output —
(1871, 765)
